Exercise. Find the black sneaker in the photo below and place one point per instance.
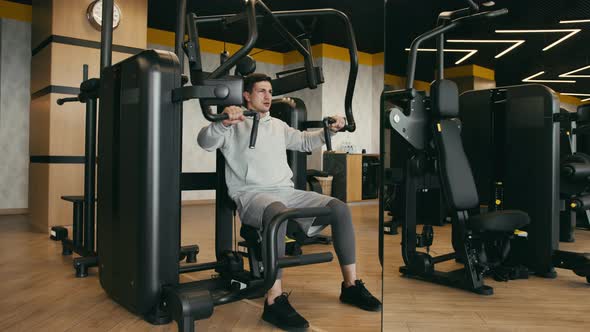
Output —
(282, 315)
(359, 296)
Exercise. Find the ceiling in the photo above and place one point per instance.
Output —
(404, 23)
(406, 19)
(366, 17)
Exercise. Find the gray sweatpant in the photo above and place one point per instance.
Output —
(342, 230)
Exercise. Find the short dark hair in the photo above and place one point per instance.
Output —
(254, 78)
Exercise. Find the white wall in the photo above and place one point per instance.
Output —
(15, 77)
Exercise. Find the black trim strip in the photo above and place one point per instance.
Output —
(66, 90)
(42, 45)
(82, 43)
(198, 181)
(57, 159)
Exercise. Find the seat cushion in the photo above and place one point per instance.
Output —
(499, 221)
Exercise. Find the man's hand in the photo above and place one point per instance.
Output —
(339, 124)
(235, 114)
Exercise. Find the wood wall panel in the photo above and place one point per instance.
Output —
(67, 62)
(59, 130)
(69, 20)
(354, 175)
(64, 180)
(61, 64)
(66, 127)
(38, 191)
(41, 69)
(56, 130)
(52, 181)
(42, 14)
(39, 126)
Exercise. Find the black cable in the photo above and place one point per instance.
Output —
(223, 30)
(277, 44)
(235, 235)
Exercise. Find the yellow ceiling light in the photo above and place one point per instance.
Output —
(470, 53)
(569, 74)
(570, 34)
(532, 80)
(515, 42)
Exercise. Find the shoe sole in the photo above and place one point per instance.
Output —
(362, 306)
(275, 322)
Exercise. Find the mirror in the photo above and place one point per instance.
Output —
(455, 270)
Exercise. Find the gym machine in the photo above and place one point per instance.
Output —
(575, 170)
(430, 132)
(520, 125)
(140, 180)
(83, 225)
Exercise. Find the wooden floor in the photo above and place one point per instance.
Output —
(536, 304)
(38, 290)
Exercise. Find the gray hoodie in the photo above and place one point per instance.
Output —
(264, 168)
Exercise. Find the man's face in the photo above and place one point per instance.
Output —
(260, 98)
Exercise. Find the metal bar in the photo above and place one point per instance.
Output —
(411, 71)
(284, 32)
(106, 36)
(198, 181)
(198, 267)
(440, 56)
(290, 71)
(248, 46)
(78, 225)
(270, 246)
(443, 258)
(179, 33)
(352, 48)
(89, 174)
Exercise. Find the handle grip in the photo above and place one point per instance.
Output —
(62, 101)
(327, 121)
(254, 132)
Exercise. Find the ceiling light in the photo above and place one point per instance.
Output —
(531, 80)
(571, 33)
(516, 44)
(569, 74)
(575, 21)
(469, 52)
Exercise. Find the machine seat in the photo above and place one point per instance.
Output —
(499, 221)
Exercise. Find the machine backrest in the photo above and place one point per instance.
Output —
(583, 112)
(295, 115)
(454, 170)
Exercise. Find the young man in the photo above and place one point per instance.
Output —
(259, 181)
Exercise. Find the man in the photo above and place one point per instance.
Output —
(259, 181)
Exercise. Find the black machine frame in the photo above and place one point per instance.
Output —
(407, 113)
(139, 266)
(506, 120)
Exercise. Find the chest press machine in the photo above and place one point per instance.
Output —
(140, 179)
